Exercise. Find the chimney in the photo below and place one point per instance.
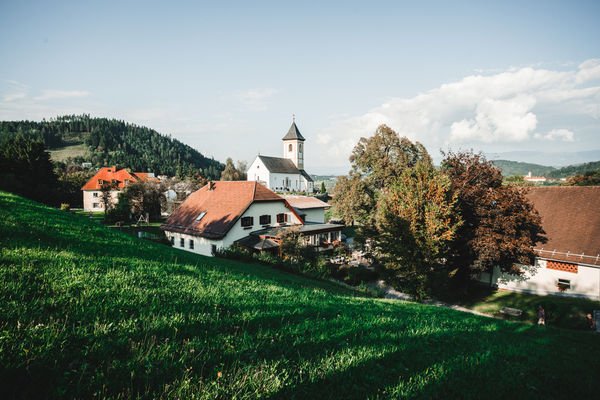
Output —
(211, 185)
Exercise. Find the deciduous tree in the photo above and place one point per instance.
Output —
(500, 226)
(417, 220)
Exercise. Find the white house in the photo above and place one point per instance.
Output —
(224, 212)
(117, 178)
(287, 173)
(569, 262)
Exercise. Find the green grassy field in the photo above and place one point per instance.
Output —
(88, 312)
(62, 154)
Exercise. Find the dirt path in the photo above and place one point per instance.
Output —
(391, 293)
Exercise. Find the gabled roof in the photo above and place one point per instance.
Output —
(305, 202)
(306, 175)
(223, 202)
(146, 176)
(293, 133)
(571, 219)
(109, 174)
(280, 165)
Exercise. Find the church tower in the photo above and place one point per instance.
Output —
(293, 146)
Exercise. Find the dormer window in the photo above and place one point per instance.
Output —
(200, 216)
(100, 182)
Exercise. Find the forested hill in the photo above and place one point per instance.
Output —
(510, 168)
(113, 142)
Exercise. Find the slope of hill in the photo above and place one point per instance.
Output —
(571, 170)
(510, 168)
(113, 142)
(93, 313)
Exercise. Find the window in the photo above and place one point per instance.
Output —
(564, 284)
(199, 217)
(191, 244)
(265, 219)
(173, 240)
(100, 182)
(95, 194)
(290, 147)
(282, 218)
(95, 205)
(213, 249)
(247, 221)
(300, 148)
(181, 242)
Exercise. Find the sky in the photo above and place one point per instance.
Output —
(226, 77)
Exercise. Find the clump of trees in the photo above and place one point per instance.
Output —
(421, 224)
(233, 173)
(589, 178)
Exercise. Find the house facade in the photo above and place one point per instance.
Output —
(222, 213)
(568, 263)
(309, 208)
(117, 178)
(285, 174)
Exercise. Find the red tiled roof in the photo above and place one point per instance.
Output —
(107, 174)
(223, 202)
(571, 219)
(144, 176)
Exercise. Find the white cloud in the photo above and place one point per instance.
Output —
(563, 134)
(60, 94)
(256, 99)
(501, 108)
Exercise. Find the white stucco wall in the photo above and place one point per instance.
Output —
(544, 281)
(259, 173)
(203, 245)
(89, 199)
(314, 215)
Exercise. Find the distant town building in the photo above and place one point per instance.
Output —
(535, 179)
(285, 174)
(118, 178)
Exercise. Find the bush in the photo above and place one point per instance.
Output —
(354, 275)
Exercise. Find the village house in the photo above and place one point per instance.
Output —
(225, 212)
(285, 174)
(117, 178)
(310, 209)
(534, 179)
(569, 263)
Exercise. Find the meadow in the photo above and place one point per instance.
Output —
(89, 312)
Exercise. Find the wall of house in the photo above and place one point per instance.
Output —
(539, 279)
(314, 215)
(259, 173)
(89, 199)
(204, 246)
(277, 182)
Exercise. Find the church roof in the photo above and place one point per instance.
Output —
(293, 133)
(306, 175)
(280, 165)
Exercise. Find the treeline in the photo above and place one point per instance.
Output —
(572, 170)
(114, 142)
(511, 168)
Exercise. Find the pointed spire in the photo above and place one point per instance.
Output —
(293, 133)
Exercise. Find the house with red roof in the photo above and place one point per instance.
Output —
(569, 262)
(117, 178)
(225, 212)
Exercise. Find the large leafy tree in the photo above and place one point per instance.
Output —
(146, 197)
(500, 226)
(416, 223)
(26, 169)
(376, 162)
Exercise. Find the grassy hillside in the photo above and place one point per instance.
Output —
(93, 313)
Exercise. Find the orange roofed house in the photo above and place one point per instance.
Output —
(222, 213)
(569, 262)
(92, 194)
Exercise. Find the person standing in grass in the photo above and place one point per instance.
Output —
(591, 323)
(541, 315)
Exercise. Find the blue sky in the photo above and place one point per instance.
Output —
(226, 77)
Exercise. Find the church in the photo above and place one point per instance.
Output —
(285, 174)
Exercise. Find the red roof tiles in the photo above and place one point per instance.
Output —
(571, 219)
(223, 202)
(121, 178)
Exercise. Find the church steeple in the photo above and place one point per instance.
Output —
(293, 146)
